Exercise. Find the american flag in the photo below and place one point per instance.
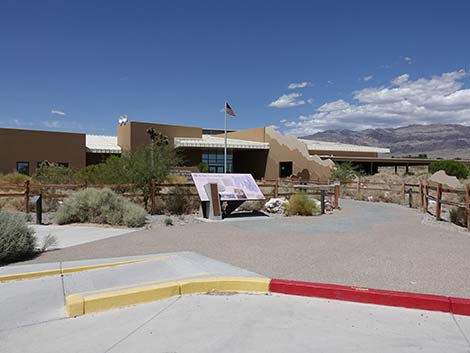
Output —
(229, 110)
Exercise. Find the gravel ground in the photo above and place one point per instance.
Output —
(369, 244)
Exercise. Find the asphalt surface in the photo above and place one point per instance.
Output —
(245, 323)
(374, 245)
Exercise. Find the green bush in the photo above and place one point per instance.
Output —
(301, 205)
(455, 168)
(50, 173)
(17, 241)
(101, 206)
(344, 172)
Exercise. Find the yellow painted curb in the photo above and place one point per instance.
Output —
(227, 284)
(77, 304)
(37, 274)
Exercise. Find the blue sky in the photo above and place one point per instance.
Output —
(79, 65)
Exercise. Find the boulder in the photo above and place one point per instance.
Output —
(441, 177)
(275, 205)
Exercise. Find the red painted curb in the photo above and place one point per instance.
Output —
(431, 302)
(460, 306)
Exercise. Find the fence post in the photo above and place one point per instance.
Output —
(426, 195)
(438, 202)
(26, 195)
(152, 196)
(410, 198)
(467, 202)
(358, 193)
(421, 196)
(322, 200)
(276, 189)
(336, 197)
(403, 189)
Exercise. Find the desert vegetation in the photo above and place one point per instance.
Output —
(17, 241)
(301, 204)
(101, 206)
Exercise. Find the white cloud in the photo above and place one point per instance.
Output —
(58, 112)
(439, 99)
(408, 59)
(368, 78)
(303, 84)
(287, 101)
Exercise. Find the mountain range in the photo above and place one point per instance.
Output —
(435, 140)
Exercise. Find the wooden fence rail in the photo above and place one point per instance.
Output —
(58, 191)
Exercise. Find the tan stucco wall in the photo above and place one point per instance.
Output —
(36, 146)
(134, 134)
(343, 154)
(285, 149)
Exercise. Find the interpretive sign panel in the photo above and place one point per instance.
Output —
(231, 187)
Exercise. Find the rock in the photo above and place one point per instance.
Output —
(441, 177)
(275, 205)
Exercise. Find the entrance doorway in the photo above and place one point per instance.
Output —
(285, 169)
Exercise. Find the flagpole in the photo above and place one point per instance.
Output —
(225, 141)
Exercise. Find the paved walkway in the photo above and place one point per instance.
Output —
(71, 235)
(245, 323)
(374, 245)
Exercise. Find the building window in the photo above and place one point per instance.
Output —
(215, 160)
(22, 167)
(285, 169)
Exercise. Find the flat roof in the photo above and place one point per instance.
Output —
(102, 144)
(209, 141)
(341, 147)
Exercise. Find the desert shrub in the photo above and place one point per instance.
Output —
(458, 216)
(203, 167)
(13, 178)
(168, 221)
(12, 203)
(179, 201)
(17, 240)
(50, 173)
(101, 206)
(455, 168)
(301, 204)
(344, 172)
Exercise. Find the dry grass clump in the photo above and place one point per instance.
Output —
(301, 204)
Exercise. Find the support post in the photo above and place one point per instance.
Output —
(403, 190)
(152, 197)
(410, 198)
(421, 196)
(438, 201)
(336, 197)
(27, 190)
(426, 197)
(467, 203)
(358, 191)
(322, 200)
(396, 169)
(276, 189)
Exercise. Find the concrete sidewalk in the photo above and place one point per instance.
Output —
(71, 235)
(37, 300)
(245, 323)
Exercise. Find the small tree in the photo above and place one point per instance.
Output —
(344, 172)
(51, 173)
(455, 168)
